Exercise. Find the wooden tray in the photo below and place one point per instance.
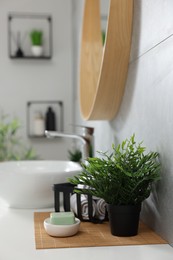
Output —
(91, 235)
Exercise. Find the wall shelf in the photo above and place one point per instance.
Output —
(30, 57)
(41, 107)
(19, 27)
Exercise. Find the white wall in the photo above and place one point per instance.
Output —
(147, 107)
(28, 80)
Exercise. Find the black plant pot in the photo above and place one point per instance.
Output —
(124, 220)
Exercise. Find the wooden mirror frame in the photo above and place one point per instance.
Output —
(103, 69)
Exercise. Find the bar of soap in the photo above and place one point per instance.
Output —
(62, 218)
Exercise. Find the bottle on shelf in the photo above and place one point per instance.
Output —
(39, 126)
(50, 120)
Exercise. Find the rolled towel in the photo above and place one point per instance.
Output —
(100, 208)
(84, 206)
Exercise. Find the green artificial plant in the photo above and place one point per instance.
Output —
(75, 156)
(11, 146)
(123, 177)
(36, 37)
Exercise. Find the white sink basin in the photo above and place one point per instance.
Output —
(28, 184)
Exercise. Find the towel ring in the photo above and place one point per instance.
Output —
(103, 70)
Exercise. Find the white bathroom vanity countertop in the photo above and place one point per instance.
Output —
(17, 242)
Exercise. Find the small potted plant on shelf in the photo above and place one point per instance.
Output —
(37, 42)
(124, 180)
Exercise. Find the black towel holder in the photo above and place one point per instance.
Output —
(67, 189)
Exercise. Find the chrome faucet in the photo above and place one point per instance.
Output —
(86, 137)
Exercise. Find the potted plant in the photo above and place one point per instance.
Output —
(11, 145)
(75, 156)
(124, 180)
(37, 42)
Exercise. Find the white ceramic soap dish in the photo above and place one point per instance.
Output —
(61, 230)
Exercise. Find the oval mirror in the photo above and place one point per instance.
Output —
(103, 68)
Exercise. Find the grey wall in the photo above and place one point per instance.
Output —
(29, 80)
(147, 107)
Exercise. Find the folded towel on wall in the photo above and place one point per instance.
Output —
(84, 206)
